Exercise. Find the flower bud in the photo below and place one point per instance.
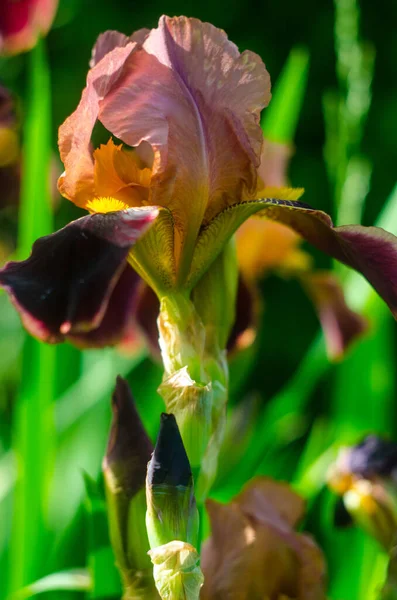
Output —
(365, 476)
(124, 467)
(171, 506)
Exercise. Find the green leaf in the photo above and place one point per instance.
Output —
(77, 580)
(281, 117)
(105, 577)
(34, 440)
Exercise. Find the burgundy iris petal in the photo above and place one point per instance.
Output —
(65, 285)
(118, 322)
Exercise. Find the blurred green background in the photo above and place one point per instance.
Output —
(56, 422)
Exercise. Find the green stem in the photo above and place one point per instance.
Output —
(194, 386)
(33, 424)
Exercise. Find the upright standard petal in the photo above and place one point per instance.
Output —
(197, 101)
(64, 287)
(77, 182)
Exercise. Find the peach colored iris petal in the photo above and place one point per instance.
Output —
(77, 183)
(254, 553)
(23, 22)
(196, 100)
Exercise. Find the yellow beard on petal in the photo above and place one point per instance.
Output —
(105, 205)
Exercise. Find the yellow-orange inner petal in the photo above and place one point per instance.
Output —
(119, 180)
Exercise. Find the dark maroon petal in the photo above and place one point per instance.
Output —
(341, 325)
(146, 315)
(245, 325)
(65, 285)
(118, 322)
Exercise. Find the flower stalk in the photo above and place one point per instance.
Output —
(195, 382)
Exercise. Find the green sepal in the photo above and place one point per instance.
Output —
(153, 256)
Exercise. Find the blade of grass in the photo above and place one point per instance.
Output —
(33, 422)
(281, 117)
(106, 581)
(74, 580)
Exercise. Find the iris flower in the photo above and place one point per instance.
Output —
(254, 552)
(22, 22)
(183, 106)
(364, 476)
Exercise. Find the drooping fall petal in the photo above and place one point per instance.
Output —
(22, 22)
(65, 285)
(246, 323)
(370, 250)
(254, 553)
(340, 324)
(146, 316)
(118, 324)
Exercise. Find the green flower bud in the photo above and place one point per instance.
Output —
(176, 571)
(124, 468)
(171, 506)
